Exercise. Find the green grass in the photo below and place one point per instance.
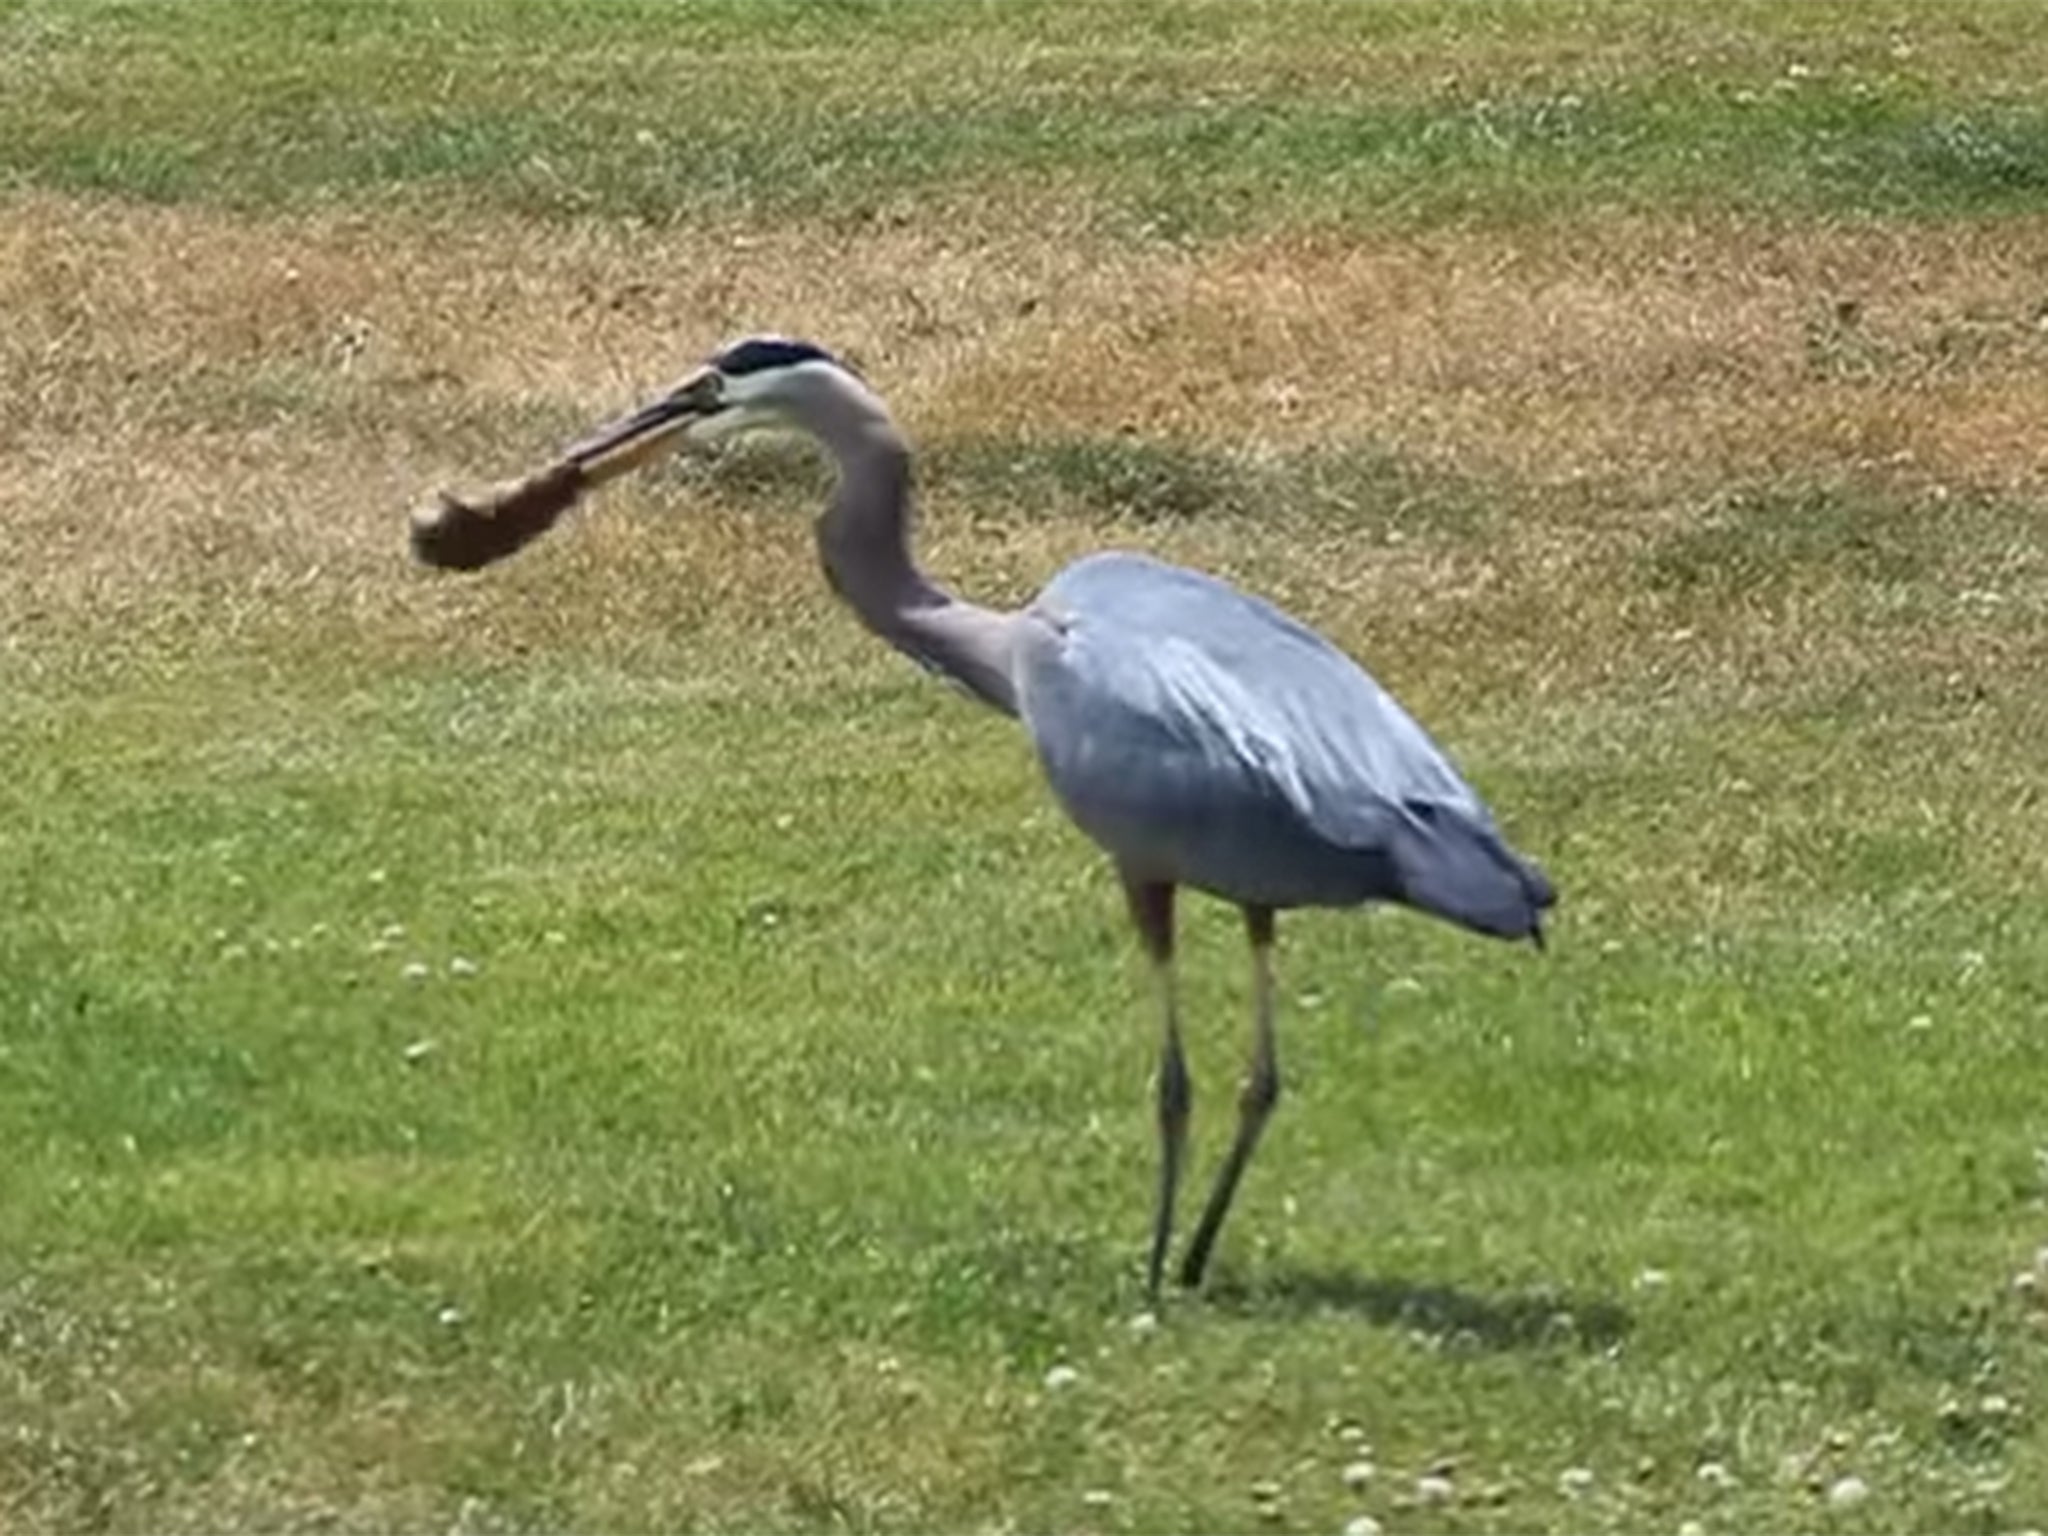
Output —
(1169, 118)
(794, 1121)
(606, 1045)
(1761, 542)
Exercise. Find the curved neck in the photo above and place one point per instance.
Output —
(864, 542)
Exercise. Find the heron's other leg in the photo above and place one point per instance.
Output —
(1152, 910)
(1254, 1104)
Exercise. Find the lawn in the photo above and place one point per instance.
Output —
(606, 1045)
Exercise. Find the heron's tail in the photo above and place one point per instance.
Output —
(1464, 871)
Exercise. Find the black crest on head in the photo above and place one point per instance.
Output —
(754, 353)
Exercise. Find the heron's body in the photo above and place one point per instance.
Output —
(1204, 738)
(1200, 735)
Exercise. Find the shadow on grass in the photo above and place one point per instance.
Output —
(1536, 1319)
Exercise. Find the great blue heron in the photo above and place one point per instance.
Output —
(1201, 736)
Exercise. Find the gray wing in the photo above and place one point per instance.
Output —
(1201, 734)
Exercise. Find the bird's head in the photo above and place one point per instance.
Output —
(749, 384)
(758, 381)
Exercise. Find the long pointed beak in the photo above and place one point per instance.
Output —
(646, 434)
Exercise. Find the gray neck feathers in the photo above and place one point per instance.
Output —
(864, 540)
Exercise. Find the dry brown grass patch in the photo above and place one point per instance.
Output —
(223, 420)
(1659, 353)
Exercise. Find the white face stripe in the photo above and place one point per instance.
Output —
(767, 383)
(749, 402)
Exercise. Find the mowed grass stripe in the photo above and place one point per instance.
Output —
(1163, 119)
(1650, 358)
(714, 1108)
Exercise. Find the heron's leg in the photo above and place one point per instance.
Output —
(1152, 910)
(1254, 1103)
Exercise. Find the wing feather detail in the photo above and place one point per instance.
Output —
(1177, 713)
